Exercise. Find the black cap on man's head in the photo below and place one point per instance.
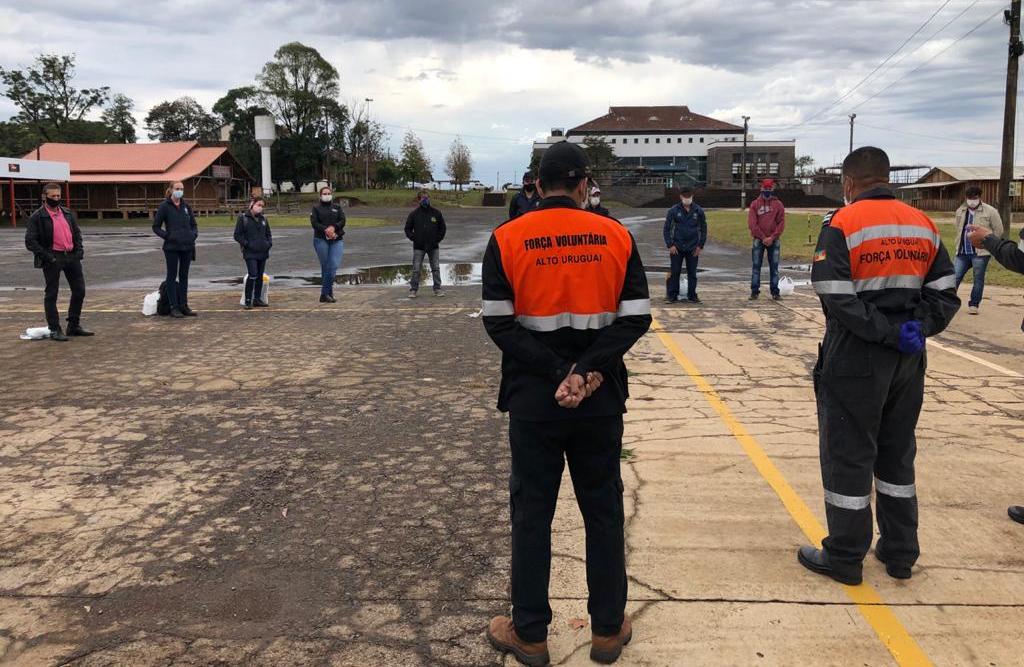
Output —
(563, 161)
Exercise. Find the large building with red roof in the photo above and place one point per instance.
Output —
(130, 179)
(674, 145)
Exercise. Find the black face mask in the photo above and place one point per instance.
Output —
(53, 202)
(529, 187)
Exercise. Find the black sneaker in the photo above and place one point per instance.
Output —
(753, 296)
(188, 312)
(695, 299)
(58, 335)
(326, 298)
(77, 330)
(177, 313)
(776, 297)
(1016, 512)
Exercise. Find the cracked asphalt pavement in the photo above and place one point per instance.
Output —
(327, 484)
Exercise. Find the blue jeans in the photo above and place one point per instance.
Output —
(329, 253)
(980, 264)
(676, 262)
(757, 253)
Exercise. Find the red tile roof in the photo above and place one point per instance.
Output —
(654, 119)
(132, 163)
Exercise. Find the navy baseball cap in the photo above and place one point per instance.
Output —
(564, 160)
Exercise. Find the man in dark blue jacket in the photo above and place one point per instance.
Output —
(526, 199)
(175, 223)
(686, 232)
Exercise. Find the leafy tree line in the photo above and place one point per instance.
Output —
(319, 137)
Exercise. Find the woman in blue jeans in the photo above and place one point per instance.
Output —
(328, 220)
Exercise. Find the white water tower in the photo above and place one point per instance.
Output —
(266, 133)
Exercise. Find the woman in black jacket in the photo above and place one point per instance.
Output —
(252, 232)
(175, 223)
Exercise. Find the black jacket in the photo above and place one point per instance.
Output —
(176, 225)
(39, 236)
(327, 215)
(425, 228)
(600, 210)
(1006, 252)
(522, 204)
(253, 234)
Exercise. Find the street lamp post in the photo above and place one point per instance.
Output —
(743, 166)
(366, 145)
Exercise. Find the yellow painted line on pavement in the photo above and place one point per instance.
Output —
(870, 604)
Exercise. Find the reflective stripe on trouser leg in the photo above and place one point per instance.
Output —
(895, 490)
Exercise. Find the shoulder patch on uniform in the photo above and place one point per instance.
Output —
(827, 218)
(819, 256)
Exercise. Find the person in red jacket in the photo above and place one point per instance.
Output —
(767, 220)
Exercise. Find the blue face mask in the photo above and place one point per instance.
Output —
(425, 202)
(178, 194)
(767, 194)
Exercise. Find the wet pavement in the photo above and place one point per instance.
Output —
(130, 257)
(327, 484)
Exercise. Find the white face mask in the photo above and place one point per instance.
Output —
(595, 201)
(257, 210)
(687, 201)
(178, 194)
(326, 199)
(973, 203)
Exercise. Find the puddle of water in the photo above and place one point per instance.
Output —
(466, 273)
(804, 268)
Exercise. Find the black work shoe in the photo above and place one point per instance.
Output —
(670, 300)
(261, 304)
(894, 570)
(816, 560)
(177, 313)
(1016, 512)
(248, 305)
(188, 312)
(776, 297)
(57, 334)
(695, 299)
(327, 298)
(753, 296)
(77, 330)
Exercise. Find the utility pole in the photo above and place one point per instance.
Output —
(366, 144)
(852, 116)
(1011, 16)
(327, 149)
(743, 166)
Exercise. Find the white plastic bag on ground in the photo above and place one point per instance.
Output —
(36, 333)
(149, 303)
(260, 295)
(786, 286)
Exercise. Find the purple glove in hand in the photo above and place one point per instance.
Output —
(911, 338)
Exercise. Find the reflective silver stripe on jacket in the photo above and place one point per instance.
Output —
(579, 321)
(888, 282)
(895, 490)
(634, 307)
(496, 308)
(943, 283)
(834, 287)
(891, 231)
(846, 502)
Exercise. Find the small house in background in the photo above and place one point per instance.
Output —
(126, 180)
(943, 188)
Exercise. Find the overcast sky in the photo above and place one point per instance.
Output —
(502, 74)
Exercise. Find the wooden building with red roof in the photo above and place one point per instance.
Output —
(126, 180)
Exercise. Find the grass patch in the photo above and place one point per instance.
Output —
(227, 221)
(730, 228)
(404, 197)
(626, 454)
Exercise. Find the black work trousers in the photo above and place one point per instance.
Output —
(539, 451)
(72, 269)
(869, 398)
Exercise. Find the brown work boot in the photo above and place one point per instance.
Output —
(607, 650)
(502, 635)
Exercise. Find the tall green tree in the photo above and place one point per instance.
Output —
(459, 163)
(414, 164)
(599, 152)
(300, 88)
(183, 119)
(239, 108)
(46, 98)
(119, 119)
(16, 139)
